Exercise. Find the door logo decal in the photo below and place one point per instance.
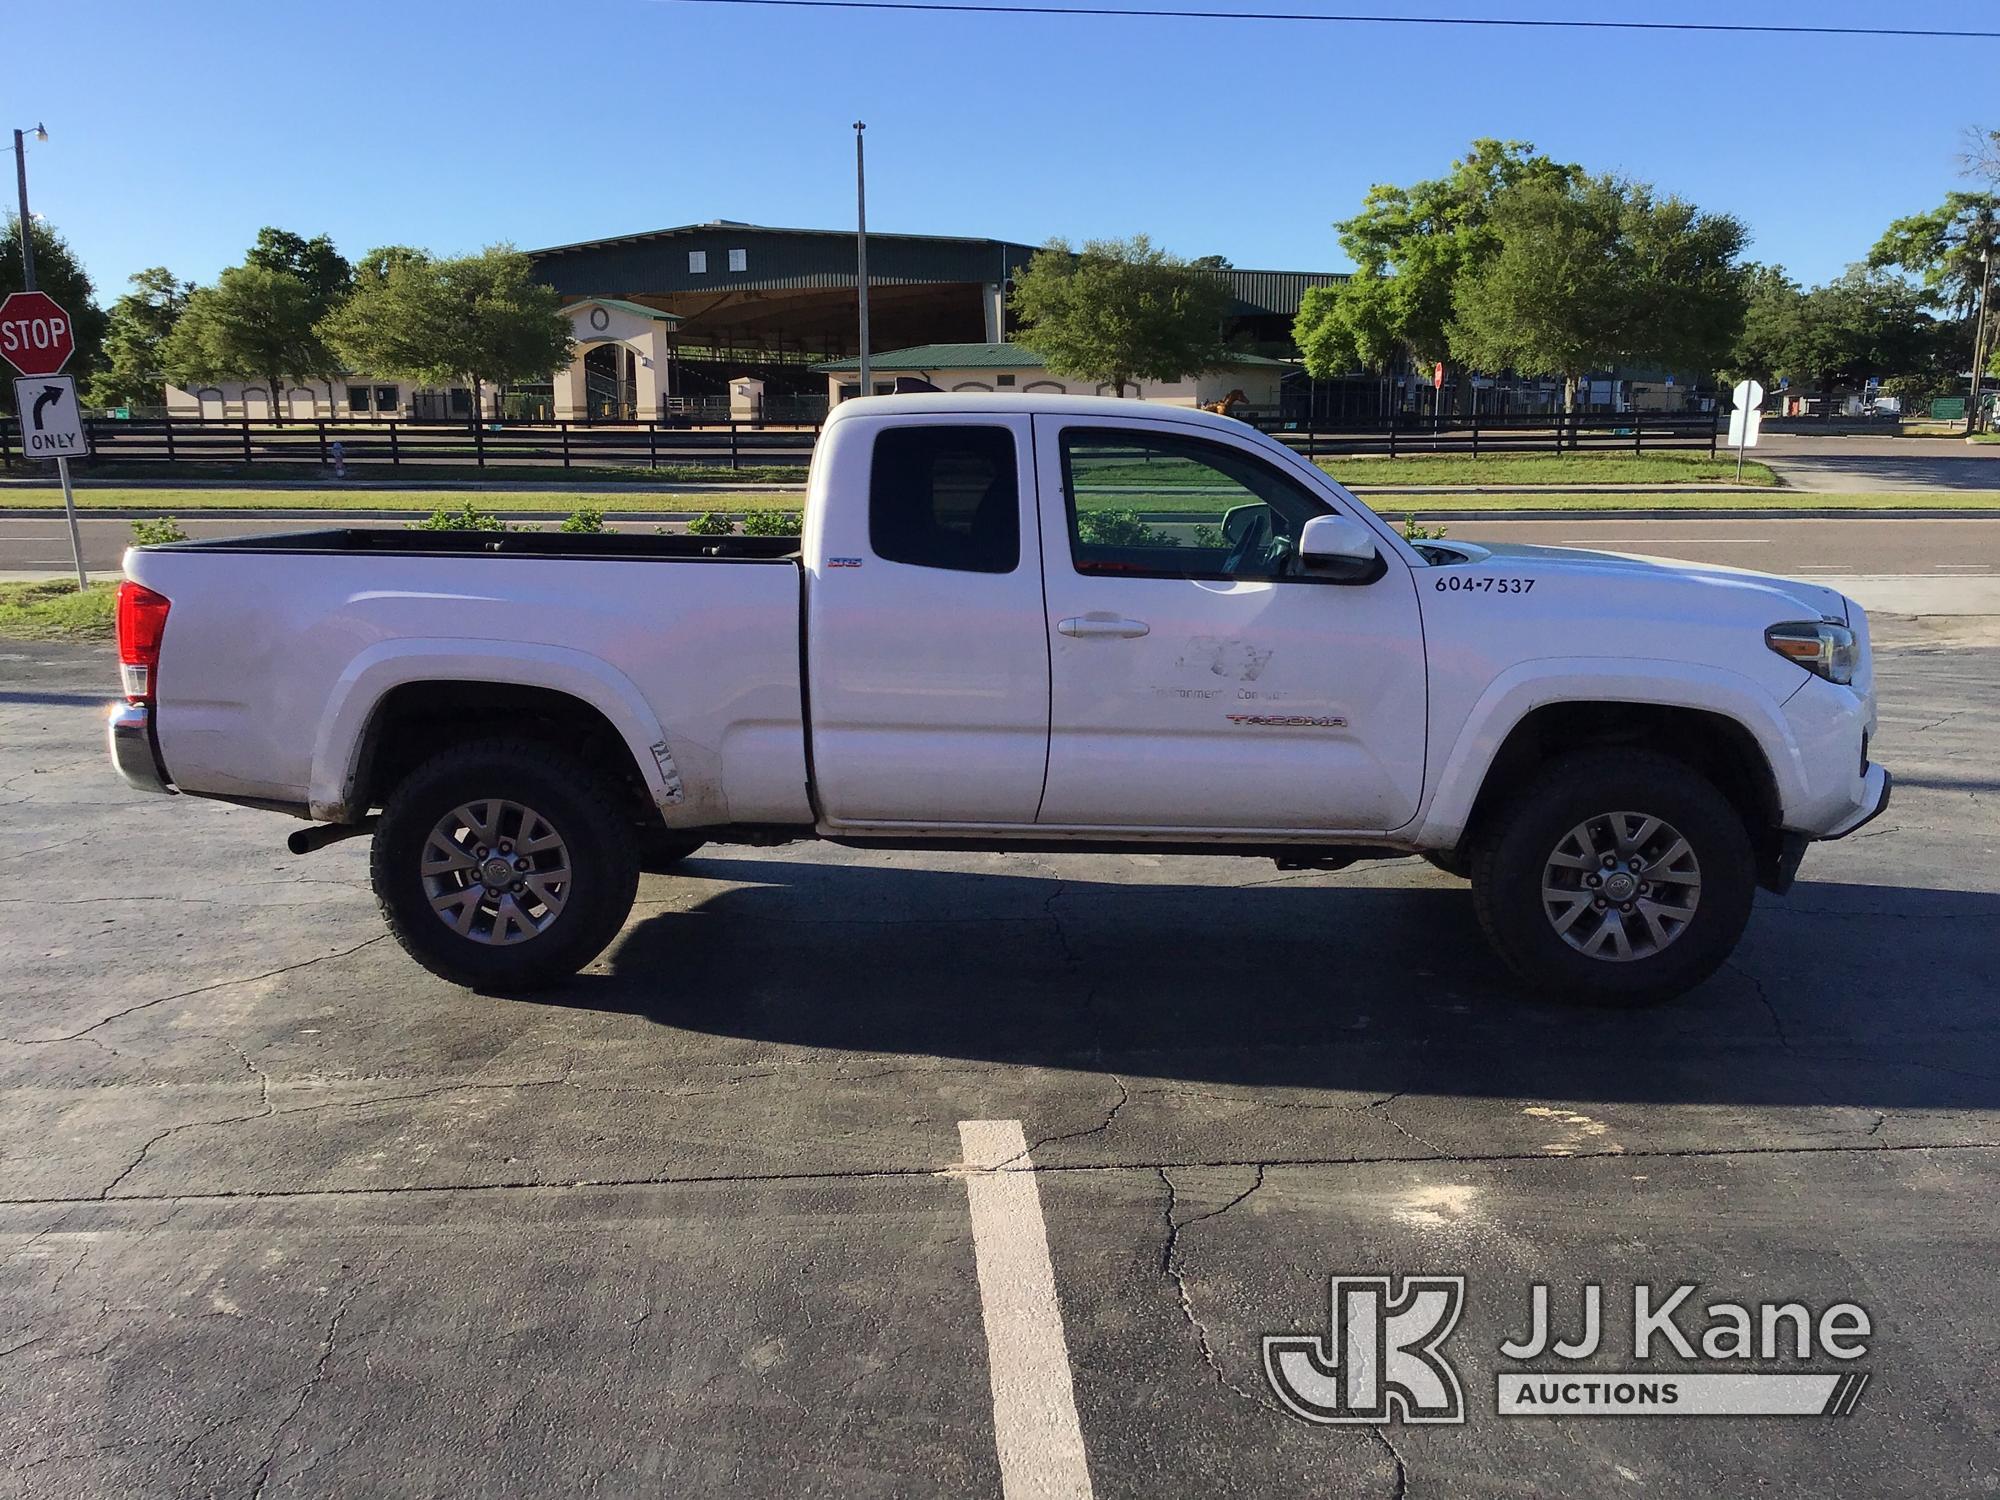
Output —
(1224, 657)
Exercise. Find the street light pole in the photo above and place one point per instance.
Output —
(28, 285)
(861, 250)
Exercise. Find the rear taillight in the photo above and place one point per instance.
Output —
(142, 620)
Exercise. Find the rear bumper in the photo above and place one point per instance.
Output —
(133, 753)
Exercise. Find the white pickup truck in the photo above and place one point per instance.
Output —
(1016, 622)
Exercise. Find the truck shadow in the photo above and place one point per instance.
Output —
(1874, 996)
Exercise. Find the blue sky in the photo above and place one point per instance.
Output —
(177, 132)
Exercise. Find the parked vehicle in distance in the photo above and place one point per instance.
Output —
(1024, 623)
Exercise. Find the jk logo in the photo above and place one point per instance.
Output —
(1380, 1361)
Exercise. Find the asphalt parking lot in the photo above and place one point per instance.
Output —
(1811, 461)
(282, 1214)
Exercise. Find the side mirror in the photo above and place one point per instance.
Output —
(1238, 519)
(1339, 547)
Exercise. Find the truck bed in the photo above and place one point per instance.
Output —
(279, 651)
(385, 541)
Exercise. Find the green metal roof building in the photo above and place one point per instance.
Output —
(751, 294)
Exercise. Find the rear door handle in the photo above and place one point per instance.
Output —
(1103, 626)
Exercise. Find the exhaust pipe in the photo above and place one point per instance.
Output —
(306, 840)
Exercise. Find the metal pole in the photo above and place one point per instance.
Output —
(28, 285)
(860, 251)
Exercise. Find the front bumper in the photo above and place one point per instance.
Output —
(1877, 783)
(133, 753)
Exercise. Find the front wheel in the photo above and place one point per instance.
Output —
(1621, 877)
(504, 864)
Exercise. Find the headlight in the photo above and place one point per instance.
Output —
(1822, 648)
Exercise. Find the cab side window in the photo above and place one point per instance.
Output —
(946, 497)
(1157, 506)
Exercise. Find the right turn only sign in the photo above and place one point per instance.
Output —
(51, 425)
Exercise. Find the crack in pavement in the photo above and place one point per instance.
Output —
(936, 1172)
(1402, 1469)
(1124, 1098)
(264, 1111)
(1783, 1037)
(1170, 1268)
(220, 984)
(305, 1392)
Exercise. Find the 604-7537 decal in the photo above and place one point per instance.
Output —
(1461, 583)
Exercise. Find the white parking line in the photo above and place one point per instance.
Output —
(1027, 1358)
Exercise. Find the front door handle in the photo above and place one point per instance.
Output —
(1103, 626)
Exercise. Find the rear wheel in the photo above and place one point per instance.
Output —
(1614, 876)
(504, 864)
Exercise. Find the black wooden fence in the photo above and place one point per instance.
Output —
(1475, 437)
(412, 447)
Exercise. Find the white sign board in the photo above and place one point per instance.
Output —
(1748, 415)
(51, 424)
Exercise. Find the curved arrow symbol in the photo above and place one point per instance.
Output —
(49, 393)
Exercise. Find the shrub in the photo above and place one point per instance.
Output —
(1413, 531)
(585, 518)
(468, 517)
(774, 523)
(153, 531)
(1119, 528)
(708, 523)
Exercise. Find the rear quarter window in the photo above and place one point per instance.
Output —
(946, 497)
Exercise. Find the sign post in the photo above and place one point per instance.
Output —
(1745, 418)
(37, 339)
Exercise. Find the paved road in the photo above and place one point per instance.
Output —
(281, 1214)
(1858, 545)
(1858, 464)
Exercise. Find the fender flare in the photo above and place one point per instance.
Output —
(372, 674)
(1523, 688)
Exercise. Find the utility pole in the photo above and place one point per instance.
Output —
(861, 251)
(21, 182)
(28, 285)
(1979, 333)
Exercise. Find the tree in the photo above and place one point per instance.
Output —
(1949, 248)
(1859, 325)
(473, 317)
(1942, 246)
(253, 324)
(1595, 271)
(313, 261)
(1120, 311)
(1412, 245)
(135, 332)
(59, 273)
(1773, 305)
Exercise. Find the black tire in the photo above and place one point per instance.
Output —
(1511, 851)
(660, 850)
(584, 809)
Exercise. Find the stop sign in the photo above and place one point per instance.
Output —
(36, 337)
